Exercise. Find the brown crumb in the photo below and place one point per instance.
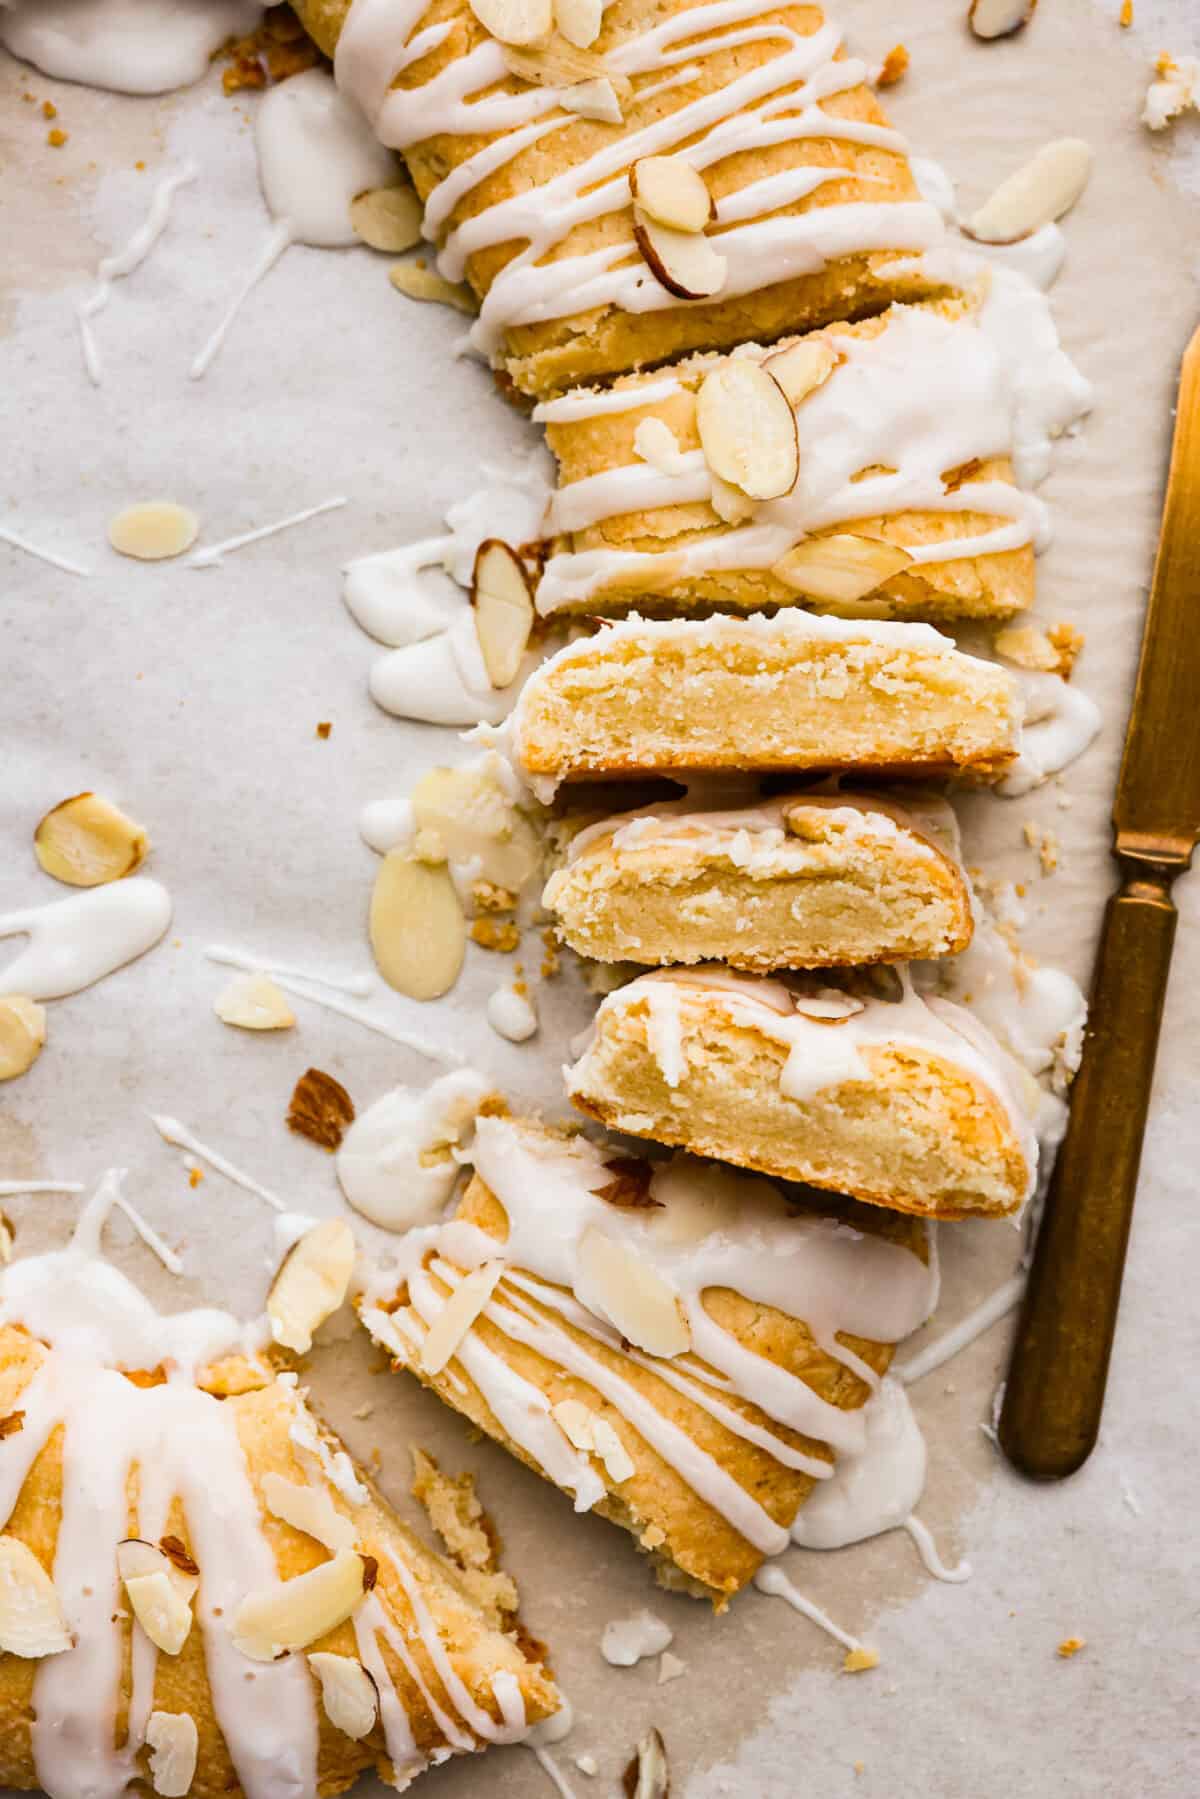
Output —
(966, 471)
(28, 97)
(9, 1426)
(195, 1176)
(1068, 642)
(551, 961)
(1126, 19)
(49, 110)
(497, 934)
(176, 1553)
(858, 1661)
(56, 138)
(323, 729)
(1071, 1646)
(141, 168)
(895, 66)
(244, 72)
(488, 897)
(1045, 843)
(320, 1109)
(370, 1572)
(630, 1185)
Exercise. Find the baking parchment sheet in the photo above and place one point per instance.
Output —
(192, 698)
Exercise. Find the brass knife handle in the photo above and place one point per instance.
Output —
(1055, 1390)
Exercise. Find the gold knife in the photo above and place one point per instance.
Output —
(1055, 1391)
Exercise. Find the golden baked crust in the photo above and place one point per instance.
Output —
(542, 358)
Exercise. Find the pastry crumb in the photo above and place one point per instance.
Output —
(1126, 18)
(488, 897)
(323, 729)
(501, 935)
(195, 1176)
(1044, 843)
(56, 138)
(1071, 1646)
(1068, 642)
(858, 1661)
(895, 66)
(1175, 89)
(552, 960)
(49, 110)
(468, 1536)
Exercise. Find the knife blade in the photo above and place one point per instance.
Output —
(1054, 1395)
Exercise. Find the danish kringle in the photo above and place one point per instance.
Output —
(676, 1345)
(909, 1104)
(532, 204)
(791, 881)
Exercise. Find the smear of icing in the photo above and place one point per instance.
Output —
(127, 46)
(989, 1311)
(124, 262)
(76, 941)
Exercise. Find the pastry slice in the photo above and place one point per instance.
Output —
(908, 1104)
(789, 693)
(875, 469)
(792, 881)
(675, 1345)
(200, 1594)
(525, 153)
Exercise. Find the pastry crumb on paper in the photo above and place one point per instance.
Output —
(1175, 89)
(1071, 1646)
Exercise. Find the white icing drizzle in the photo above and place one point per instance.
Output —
(214, 554)
(171, 1131)
(384, 1166)
(922, 1536)
(128, 46)
(1060, 722)
(124, 262)
(773, 1581)
(1002, 1300)
(9, 1189)
(601, 402)
(31, 549)
(358, 986)
(776, 102)
(551, 1769)
(77, 941)
(315, 153)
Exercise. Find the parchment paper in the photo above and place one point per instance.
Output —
(192, 698)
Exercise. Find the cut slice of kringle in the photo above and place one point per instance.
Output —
(907, 1104)
(584, 1362)
(789, 693)
(793, 881)
(278, 1547)
(844, 248)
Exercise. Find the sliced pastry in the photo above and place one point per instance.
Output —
(863, 470)
(794, 692)
(199, 1592)
(792, 881)
(651, 180)
(906, 1103)
(677, 1346)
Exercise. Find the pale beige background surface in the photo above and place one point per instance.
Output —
(192, 698)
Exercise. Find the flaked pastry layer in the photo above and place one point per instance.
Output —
(794, 881)
(522, 155)
(793, 692)
(677, 1346)
(908, 1104)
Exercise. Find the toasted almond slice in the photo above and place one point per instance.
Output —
(31, 1618)
(575, 1421)
(828, 1007)
(153, 531)
(295, 1613)
(515, 21)
(631, 1294)
(802, 368)
(388, 218)
(348, 1693)
(417, 929)
(656, 443)
(161, 1610)
(311, 1283)
(320, 1109)
(684, 261)
(648, 1776)
(748, 429)
(503, 603)
(730, 503)
(417, 283)
(174, 1743)
(618, 1463)
(1038, 193)
(476, 822)
(85, 842)
(458, 1315)
(999, 18)
(579, 21)
(596, 99)
(841, 569)
(562, 64)
(671, 192)
(137, 1559)
(181, 1561)
(309, 1509)
(22, 1034)
(254, 1003)
(1029, 647)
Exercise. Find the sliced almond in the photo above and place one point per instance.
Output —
(295, 1613)
(748, 429)
(618, 1463)
(153, 531)
(174, 1743)
(348, 1693)
(596, 99)
(309, 1509)
(85, 842)
(841, 569)
(671, 192)
(22, 1034)
(630, 1185)
(730, 503)
(254, 1003)
(311, 1283)
(656, 443)
(161, 1610)
(388, 218)
(503, 603)
(177, 1554)
(575, 1420)
(1038, 193)
(999, 18)
(648, 1776)
(458, 1315)
(684, 261)
(320, 1109)
(579, 21)
(477, 823)
(416, 282)
(6, 1239)
(563, 64)
(417, 929)
(802, 368)
(515, 21)
(137, 1559)
(631, 1294)
(11, 1423)
(1029, 647)
(31, 1618)
(829, 1007)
